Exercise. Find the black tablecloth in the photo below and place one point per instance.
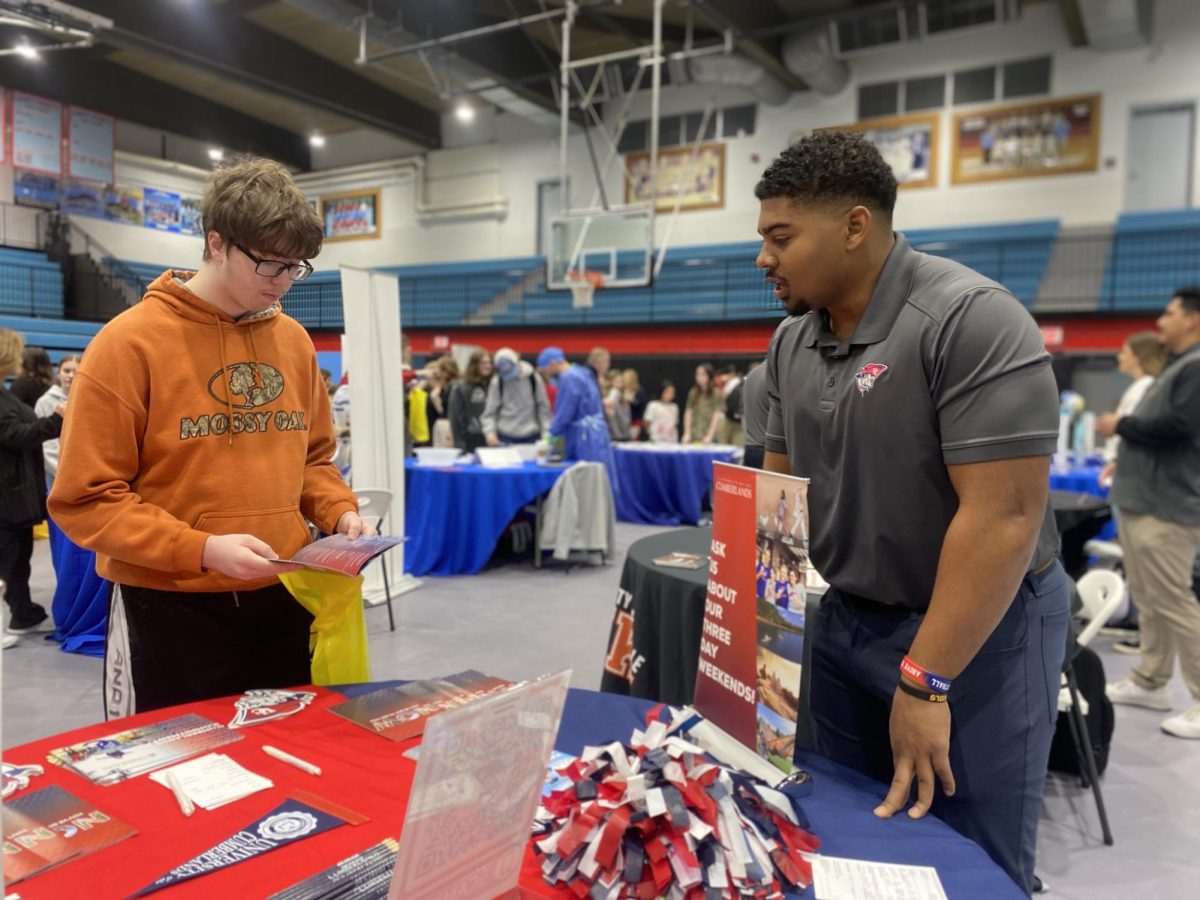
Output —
(654, 643)
(1079, 517)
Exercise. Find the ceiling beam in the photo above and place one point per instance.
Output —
(84, 77)
(222, 42)
(743, 19)
(1073, 20)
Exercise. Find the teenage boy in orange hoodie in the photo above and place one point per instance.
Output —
(199, 441)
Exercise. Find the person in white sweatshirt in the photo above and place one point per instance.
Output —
(1141, 358)
(48, 403)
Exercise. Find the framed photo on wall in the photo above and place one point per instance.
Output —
(699, 177)
(1050, 137)
(909, 144)
(351, 216)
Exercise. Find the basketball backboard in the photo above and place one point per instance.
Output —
(615, 247)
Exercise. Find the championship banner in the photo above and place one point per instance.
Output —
(752, 643)
(291, 821)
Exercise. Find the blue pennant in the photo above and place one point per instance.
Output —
(288, 822)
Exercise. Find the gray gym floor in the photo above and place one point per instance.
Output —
(516, 622)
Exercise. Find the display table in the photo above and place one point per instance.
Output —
(665, 484)
(80, 605)
(369, 775)
(454, 516)
(654, 642)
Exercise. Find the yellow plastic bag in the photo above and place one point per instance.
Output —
(338, 639)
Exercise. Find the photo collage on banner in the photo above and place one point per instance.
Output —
(752, 643)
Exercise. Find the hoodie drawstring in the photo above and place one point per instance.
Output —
(225, 377)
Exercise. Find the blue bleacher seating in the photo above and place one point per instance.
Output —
(1153, 254)
(56, 335)
(30, 284)
(696, 283)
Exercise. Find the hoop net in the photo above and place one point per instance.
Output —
(583, 286)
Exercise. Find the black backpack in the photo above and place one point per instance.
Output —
(1089, 675)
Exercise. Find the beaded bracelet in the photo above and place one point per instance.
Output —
(917, 672)
(931, 696)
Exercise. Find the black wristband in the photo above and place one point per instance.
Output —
(922, 693)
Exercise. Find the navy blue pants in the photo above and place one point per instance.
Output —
(1003, 709)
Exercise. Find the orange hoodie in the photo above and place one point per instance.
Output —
(184, 423)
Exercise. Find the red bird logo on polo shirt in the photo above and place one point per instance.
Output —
(865, 379)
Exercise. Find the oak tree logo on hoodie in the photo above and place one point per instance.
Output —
(256, 383)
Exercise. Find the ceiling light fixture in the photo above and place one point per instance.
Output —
(27, 50)
(216, 154)
(464, 112)
(316, 140)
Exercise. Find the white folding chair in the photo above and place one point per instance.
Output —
(374, 505)
(1101, 592)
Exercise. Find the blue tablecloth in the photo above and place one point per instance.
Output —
(665, 487)
(454, 516)
(80, 605)
(839, 809)
(1079, 479)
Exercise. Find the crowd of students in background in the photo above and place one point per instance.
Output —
(499, 399)
(31, 417)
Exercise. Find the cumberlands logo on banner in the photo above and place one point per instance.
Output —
(290, 821)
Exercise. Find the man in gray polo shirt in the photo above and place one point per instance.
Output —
(1157, 492)
(917, 396)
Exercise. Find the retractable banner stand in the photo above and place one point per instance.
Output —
(371, 354)
(752, 643)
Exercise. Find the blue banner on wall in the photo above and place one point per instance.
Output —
(35, 189)
(161, 209)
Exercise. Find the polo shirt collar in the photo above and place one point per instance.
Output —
(890, 294)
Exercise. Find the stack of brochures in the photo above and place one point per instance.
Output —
(126, 754)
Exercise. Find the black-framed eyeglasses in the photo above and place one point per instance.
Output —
(273, 268)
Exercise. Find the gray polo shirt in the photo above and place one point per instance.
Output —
(944, 368)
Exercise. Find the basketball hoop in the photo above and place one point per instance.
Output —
(583, 287)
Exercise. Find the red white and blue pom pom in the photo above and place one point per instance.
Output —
(657, 818)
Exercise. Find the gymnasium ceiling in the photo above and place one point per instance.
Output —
(264, 75)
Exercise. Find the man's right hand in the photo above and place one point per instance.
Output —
(492, 440)
(241, 556)
(1106, 474)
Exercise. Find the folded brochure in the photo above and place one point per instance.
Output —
(338, 553)
(679, 560)
(50, 826)
(400, 712)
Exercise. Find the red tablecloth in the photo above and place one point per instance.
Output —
(360, 770)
